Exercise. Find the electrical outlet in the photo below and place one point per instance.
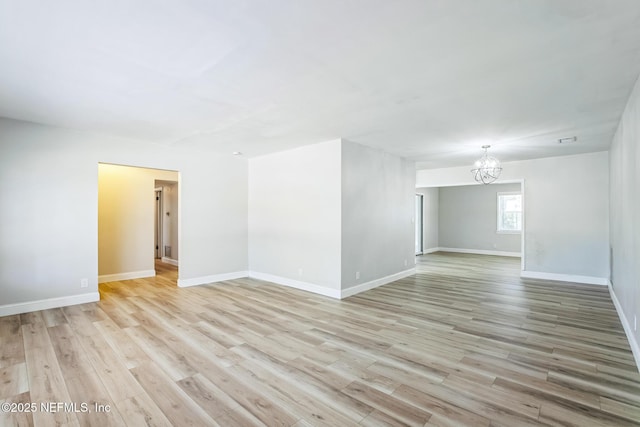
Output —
(405, 262)
(84, 283)
(300, 272)
(357, 275)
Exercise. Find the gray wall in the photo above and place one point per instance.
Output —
(566, 210)
(430, 239)
(378, 199)
(625, 213)
(49, 215)
(468, 218)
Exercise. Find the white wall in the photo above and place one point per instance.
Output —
(625, 218)
(566, 211)
(320, 213)
(126, 214)
(468, 218)
(295, 217)
(378, 199)
(431, 218)
(49, 215)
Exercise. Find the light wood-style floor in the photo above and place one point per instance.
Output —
(464, 342)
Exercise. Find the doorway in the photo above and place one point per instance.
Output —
(157, 238)
(166, 221)
(419, 216)
(464, 218)
(137, 221)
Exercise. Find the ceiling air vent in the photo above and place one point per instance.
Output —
(569, 140)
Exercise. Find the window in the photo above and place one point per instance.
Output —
(509, 212)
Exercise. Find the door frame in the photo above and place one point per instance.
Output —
(159, 240)
(421, 219)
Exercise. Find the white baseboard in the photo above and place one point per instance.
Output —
(430, 251)
(45, 304)
(628, 330)
(588, 280)
(126, 276)
(304, 286)
(203, 280)
(478, 252)
(170, 261)
(375, 283)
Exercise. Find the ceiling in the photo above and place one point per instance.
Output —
(431, 80)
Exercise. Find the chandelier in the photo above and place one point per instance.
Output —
(487, 168)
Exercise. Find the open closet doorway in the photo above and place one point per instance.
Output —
(166, 225)
(419, 224)
(137, 224)
(157, 238)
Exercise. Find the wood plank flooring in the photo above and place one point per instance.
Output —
(463, 342)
